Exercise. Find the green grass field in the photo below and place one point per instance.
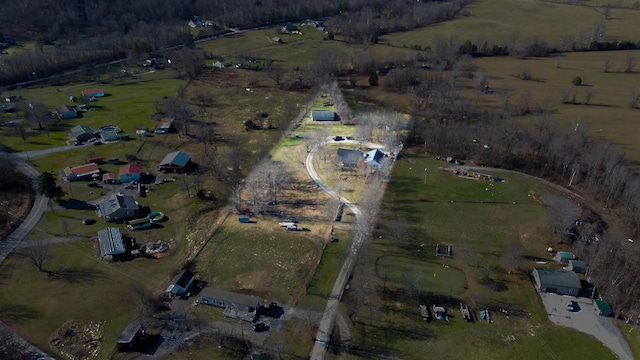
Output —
(478, 219)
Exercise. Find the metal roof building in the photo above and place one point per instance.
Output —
(111, 242)
(176, 162)
(323, 115)
(118, 207)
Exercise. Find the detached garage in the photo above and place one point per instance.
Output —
(560, 282)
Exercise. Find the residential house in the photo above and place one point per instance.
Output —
(66, 112)
(374, 158)
(181, 283)
(111, 242)
(108, 135)
(560, 282)
(118, 207)
(175, 162)
(323, 115)
(95, 92)
(221, 64)
(129, 173)
(226, 299)
(82, 172)
(132, 334)
(349, 157)
(563, 257)
(81, 133)
(577, 266)
(289, 28)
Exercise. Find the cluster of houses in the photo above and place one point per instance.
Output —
(64, 112)
(566, 281)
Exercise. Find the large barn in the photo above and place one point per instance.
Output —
(560, 282)
(175, 162)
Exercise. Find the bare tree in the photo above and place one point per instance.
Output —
(588, 95)
(38, 253)
(512, 257)
(561, 213)
(607, 62)
(634, 97)
(629, 63)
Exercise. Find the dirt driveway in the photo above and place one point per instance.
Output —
(586, 320)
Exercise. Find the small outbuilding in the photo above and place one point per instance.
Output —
(577, 266)
(560, 282)
(221, 64)
(563, 257)
(111, 242)
(374, 158)
(323, 115)
(175, 162)
(181, 283)
(109, 135)
(129, 173)
(603, 308)
(66, 112)
(131, 335)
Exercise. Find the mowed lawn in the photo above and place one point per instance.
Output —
(506, 22)
(84, 288)
(479, 219)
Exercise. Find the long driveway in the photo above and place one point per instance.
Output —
(329, 315)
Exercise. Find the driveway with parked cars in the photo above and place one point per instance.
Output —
(582, 315)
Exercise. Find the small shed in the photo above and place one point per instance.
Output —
(132, 334)
(323, 115)
(67, 112)
(577, 266)
(109, 178)
(560, 282)
(129, 173)
(221, 64)
(181, 283)
(563, 257)
(111, 242)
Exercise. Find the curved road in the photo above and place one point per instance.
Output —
(329, 315)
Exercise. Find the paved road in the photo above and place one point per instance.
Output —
(329, 316)
(587, 321)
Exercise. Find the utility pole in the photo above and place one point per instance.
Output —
(425, 176)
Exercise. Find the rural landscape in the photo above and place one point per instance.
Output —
(320, 180)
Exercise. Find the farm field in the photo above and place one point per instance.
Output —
(479, 220)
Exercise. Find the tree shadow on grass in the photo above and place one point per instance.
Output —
(76, 275)
(18, 313)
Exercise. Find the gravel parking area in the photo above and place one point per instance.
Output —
(586, 320)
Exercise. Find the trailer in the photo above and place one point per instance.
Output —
(139, 224)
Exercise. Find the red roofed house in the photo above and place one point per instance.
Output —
(129, 173)
(97, 92)
(175, 162)
(82, 172)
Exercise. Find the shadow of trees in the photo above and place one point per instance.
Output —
(18, 313)
(76, 275)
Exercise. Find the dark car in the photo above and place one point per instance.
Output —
(89, 221)
(350, 138)
(77, 143)
(94, 184)
(260, 327)
(338, 138)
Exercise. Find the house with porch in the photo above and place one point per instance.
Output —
(81, 133)
(118, 207)
(129, 173)
(560, 282)
(66, 112)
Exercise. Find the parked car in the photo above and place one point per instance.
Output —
(94, 184)
(350, 138)
(89, 221)
(338, 138)
(260, 327)
(77, 143)
(96, 142)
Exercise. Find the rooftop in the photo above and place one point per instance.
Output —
(111, 243)
(557, 278)
(177, 158)
(235, 298)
